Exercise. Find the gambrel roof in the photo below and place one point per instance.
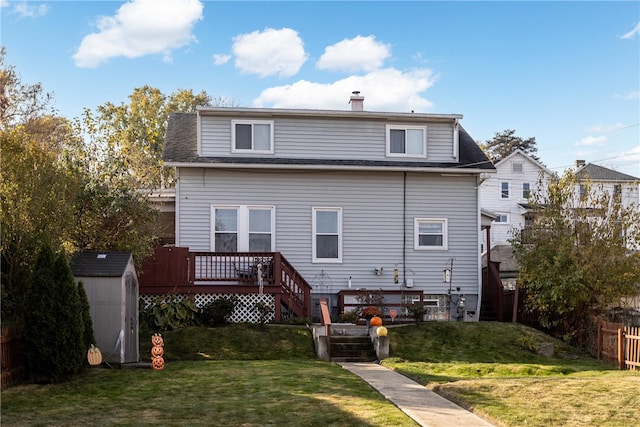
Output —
(181, 147)
(600, 173)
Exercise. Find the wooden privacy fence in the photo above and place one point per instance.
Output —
(11, 366)
(619, 344)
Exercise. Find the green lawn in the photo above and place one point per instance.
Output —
(250, 376)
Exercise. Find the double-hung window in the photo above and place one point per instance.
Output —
(327, 234)
(430, 233)
(406, 141)
(251, 136)
(243, 228)
(504, 190)
(526, 190)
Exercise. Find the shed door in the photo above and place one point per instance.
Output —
(131, 351)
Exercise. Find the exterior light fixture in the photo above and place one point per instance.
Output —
(446, 275)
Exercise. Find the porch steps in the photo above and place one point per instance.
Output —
(352, 348)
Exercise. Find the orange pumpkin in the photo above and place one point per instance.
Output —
(156, 339)
(94, 355)
(375, 321)
(157, 363)
(157, 351)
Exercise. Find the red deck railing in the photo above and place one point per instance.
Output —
(174, 269)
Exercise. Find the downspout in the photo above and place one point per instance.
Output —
(404, 229)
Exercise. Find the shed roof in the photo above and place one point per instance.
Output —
(504, 255)
(181, 147)
(100, 264)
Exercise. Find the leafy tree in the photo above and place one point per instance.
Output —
(19, 102)
(506, 142)
(580, 256)
(131, 136)
(54, 329)
(36, 201)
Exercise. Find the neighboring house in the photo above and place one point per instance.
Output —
(351, 199)
(613, 182)
(506, 194)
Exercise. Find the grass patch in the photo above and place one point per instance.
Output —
(235, 342)
(247, 375)
(220, 393)
(490, 368)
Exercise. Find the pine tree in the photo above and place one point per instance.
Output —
(88, 336)
(54, 329)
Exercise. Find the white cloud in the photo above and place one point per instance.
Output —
(357, 54)
(384, 90)
(220, 59)
(633, 32)
(269, 53)
(4, 3)
(599, 128)
(141, 27)
(591, 141)
(631, 96)
(25, 10)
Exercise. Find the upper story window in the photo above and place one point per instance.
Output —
(516, 167)
(243, 228)
(526, 190)
(617, 190)
(251, 136)
(430, 233)
(583, 191)
(327, 235)
(406, 141)
(504, 190)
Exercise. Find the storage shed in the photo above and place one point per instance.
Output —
(111, 284)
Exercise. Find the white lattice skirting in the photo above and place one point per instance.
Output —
(244, 311)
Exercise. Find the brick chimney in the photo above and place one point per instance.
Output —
(579, 163)
(356, 101)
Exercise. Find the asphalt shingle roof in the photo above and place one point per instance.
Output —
(600, 173)
(181, 147)
(100, 264)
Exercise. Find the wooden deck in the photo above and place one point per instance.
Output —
(177, 270)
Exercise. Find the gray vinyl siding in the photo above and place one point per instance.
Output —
(372, 210)
(327, 139)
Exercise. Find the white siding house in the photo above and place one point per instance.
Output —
(353, 199)
(610, 181)
(506, 192)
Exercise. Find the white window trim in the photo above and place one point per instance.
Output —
(243, 225)
(508, 190)
(405, 128)
(271, 149)
(315, 259)
(445, 234)
(502, 222)
(523, 190)
(521, 167)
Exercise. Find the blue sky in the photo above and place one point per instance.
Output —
(566, 73)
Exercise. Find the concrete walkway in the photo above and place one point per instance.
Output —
(424, 406)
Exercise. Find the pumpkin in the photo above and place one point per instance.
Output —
(375, 321)
(156, 339)
(94, 355)
(157, 351)
(381, 331)
(157, 363)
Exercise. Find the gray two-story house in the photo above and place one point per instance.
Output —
(350, 199)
